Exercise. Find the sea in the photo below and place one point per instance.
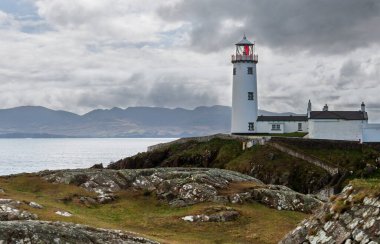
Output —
(33, 155)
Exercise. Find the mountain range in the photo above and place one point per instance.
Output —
(41, 122)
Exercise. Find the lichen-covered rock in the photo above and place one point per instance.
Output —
(178, 186)
(57, 232)
(184, 186)
(351, 217)
(35, 205)
(218, 214)
(9, 210)
(63, 213)
(283, 198)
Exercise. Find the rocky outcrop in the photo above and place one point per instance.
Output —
(18, 226)
(266, 164)
(216, 214)
(283, 198)
(57, 232)
(9, 210)
(185, 186)
(351, 217)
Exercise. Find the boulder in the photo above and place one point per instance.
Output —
(35, 205)
(57, 232)
(218, 214)
(9, 210)
(63, 213)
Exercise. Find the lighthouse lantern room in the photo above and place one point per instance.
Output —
(244, 88)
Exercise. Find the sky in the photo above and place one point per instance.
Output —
(79, 55)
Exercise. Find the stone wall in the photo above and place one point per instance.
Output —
(320, 143)
(310, 159)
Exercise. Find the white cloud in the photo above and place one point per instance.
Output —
(86, 54)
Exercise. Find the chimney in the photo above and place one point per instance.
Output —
(326, 108)
(363, 107)
(308, 109)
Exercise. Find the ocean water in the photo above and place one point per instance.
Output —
(32, 155)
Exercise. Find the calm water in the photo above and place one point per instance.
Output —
(31, 155)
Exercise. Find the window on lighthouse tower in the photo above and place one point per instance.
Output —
(250, 70)
(250, 96)
(251, 126)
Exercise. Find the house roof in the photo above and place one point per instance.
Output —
(282, 118)
(345, 115)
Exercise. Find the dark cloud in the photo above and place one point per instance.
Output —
(322, 26)
(170, 92)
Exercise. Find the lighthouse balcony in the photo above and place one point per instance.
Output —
(245, 58)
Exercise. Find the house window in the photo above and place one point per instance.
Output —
(250, 96)
(299, 126)
(251, 126)
(250, 70)
(276, 127)
(234, 71)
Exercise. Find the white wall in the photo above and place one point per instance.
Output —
(350, 130)
(286, 126)
(292, 126)
(371, 133)
(244, 110)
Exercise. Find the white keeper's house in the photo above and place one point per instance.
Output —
(323, 124)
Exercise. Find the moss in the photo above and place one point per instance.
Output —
(367, 186)
(340, 206)
(327, 217)
(359, 197)
(312, 231)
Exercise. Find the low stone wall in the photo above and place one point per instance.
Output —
(310, 159)
(320, 143)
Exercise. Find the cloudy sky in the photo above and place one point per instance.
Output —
(79, 55)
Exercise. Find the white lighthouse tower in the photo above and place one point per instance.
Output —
(244, 91)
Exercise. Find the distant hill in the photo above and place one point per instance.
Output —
(29, 121)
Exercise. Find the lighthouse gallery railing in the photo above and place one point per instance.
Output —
(254, 58)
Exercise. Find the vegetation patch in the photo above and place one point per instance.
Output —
(350, 156)
(369, 187)
(275, 167)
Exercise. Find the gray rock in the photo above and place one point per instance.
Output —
(341, 221)
(221, 214)
(9, 210)
(283, 198)
(35, 205)
(183, 186)
(63, 213)
(56, 232)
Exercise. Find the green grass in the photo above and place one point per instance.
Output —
(349, 159)
(269, 164)
(133, 211)
(369, 186)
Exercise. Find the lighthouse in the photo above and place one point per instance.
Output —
(244, 89)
